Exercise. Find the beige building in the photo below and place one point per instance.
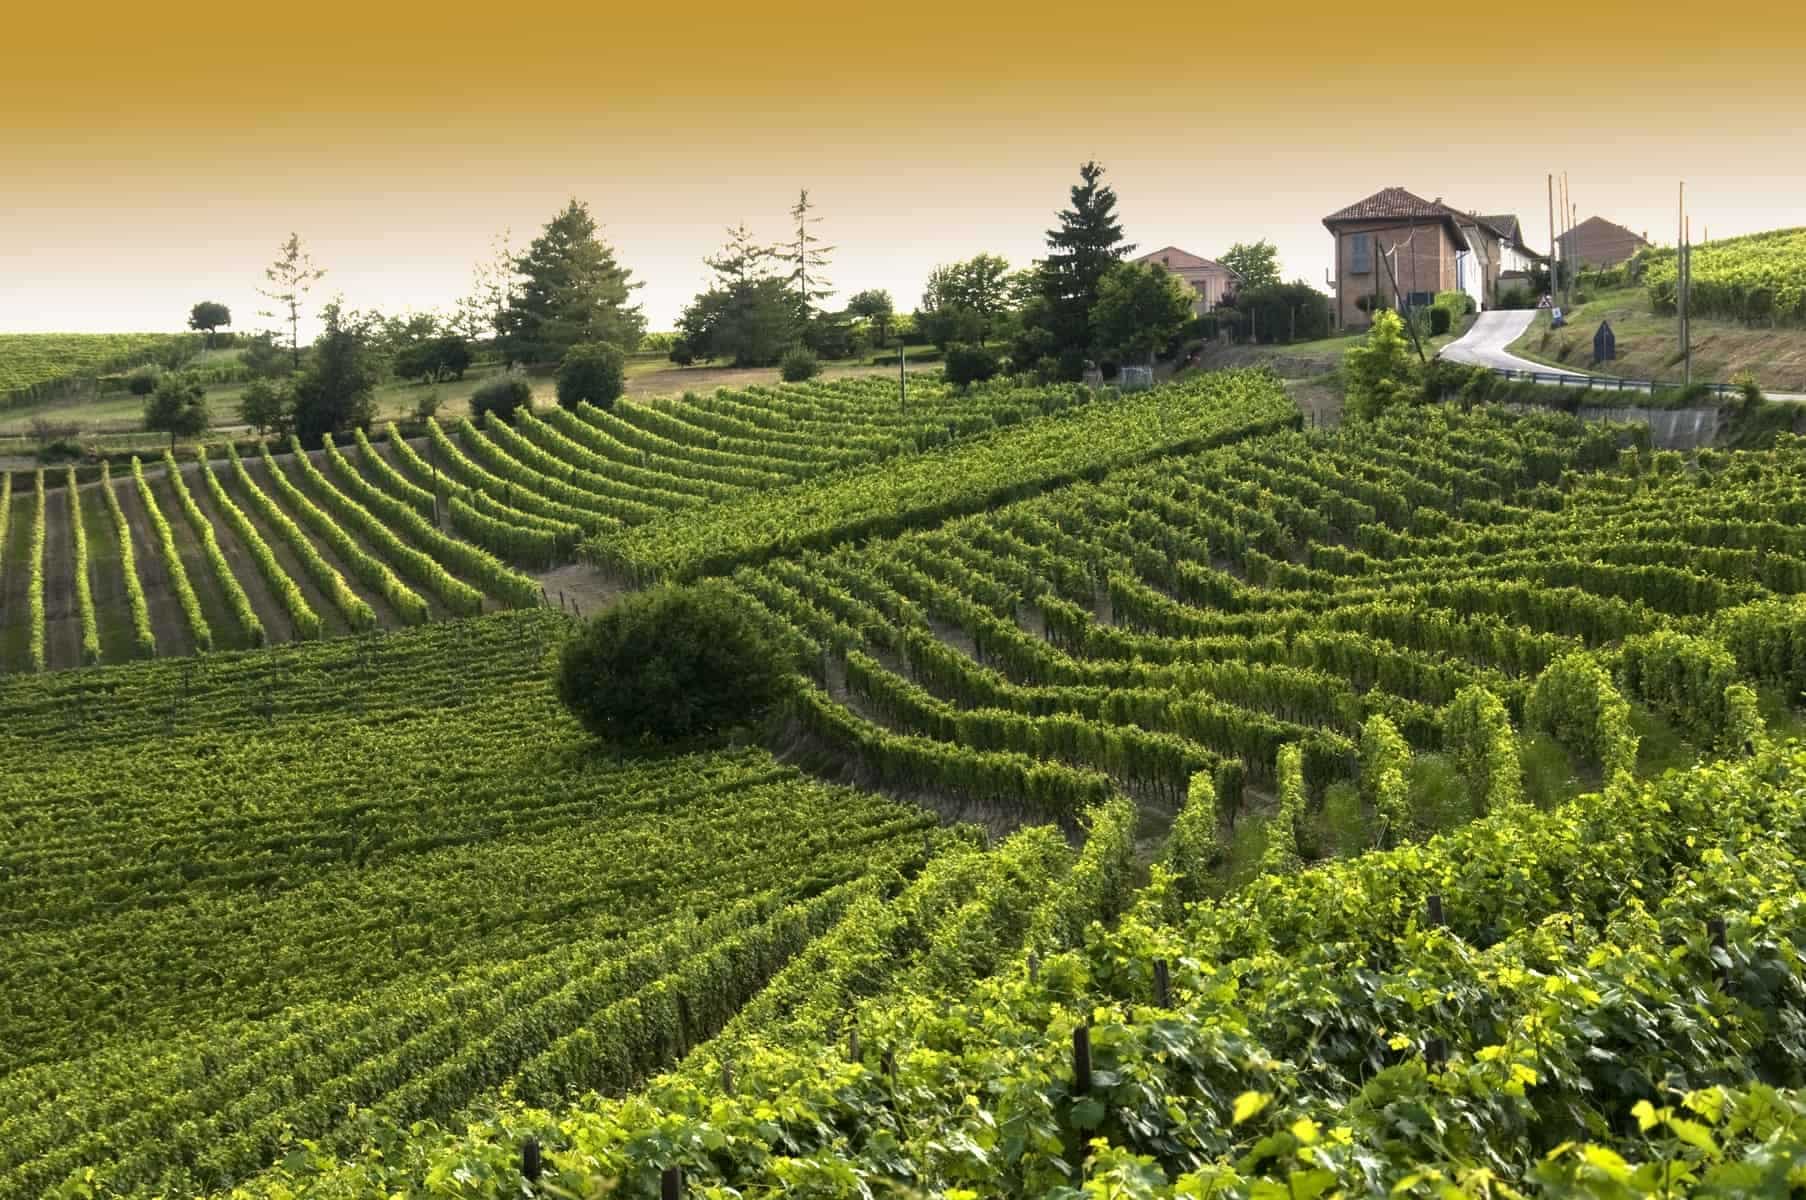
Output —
(1212, 281)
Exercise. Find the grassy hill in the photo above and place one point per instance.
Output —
(1649, 344)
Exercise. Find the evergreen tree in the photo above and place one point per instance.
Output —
(808, 259)
(571, 291)
(747, 316)
(1086, 245)
(742, 260)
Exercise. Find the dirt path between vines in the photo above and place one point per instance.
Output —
(168, 622)
(62, 623)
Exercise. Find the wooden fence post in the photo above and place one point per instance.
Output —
(1081, 1060)
(1034, 967)
(530, 1166)
(671, 1184)
(1433, 909)
(1435, 1053)
(1163, 991)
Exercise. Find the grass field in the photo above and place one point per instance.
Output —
(1648, 345)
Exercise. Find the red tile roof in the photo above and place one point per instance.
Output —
(1396, 204)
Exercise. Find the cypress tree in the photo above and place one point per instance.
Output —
(572, 291)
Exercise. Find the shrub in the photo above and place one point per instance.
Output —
(799, 364)
(670, 664)
(1743, 726)
(1516, 296)
(502, 396)
(143, 381)
(969, 364)
(1439, 321)
(1575, 702)
(1378, 371)
(681, 354)
(595, 372)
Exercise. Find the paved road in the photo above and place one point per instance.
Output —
(1484, 344)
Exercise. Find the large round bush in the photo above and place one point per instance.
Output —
(799, 364)
(668, 665)
(968, 364)
(593, 371)
(501, 396)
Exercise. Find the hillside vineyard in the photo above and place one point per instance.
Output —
(1166, 801)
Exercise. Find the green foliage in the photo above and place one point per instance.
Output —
(1684, 679)
(1756, 279)
(1281, 312)
(143, 381)
(173, 565)
(1768, 638)
(177, 407)
(1377, 373)
(592, 373)
(249, 624)
(749, 322)
(967, 365)
(799, 365)
(876, 309)
(1193, 847)
(1256, 264)
(209, 315)
(1281, 854)
(1056, 324)
(965, 302)
(1476, 729)
(44, 366)
(1574, 701)
(1743, 725)
(268, 407)
(435, 359)
(571, 291)
(501, 397)
(1385, 787)
(334, 394)
(1439, 321)
(35, 585)
(1140, 308)
(668, 665)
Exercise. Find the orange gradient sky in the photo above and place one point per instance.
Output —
(150, 158)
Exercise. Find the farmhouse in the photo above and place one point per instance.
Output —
(1597, 242)
(1431, 246)
(1209, 279)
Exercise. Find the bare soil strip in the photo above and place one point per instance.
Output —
(166, 617)
(62, 623)
(15, 584)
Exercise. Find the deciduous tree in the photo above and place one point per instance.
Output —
(290, 277)
(1140, 308)
(177, 407)
(334, 394)
(208, 316)
(1257, 264)
(875, 308)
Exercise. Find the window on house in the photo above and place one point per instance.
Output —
(1360, 253)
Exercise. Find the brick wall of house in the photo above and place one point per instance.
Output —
(1425, 262)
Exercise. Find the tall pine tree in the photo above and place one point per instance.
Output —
(808, 260)
(742, 260)
(571, 290)
(1086, 245)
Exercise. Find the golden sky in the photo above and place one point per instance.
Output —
(154, 156)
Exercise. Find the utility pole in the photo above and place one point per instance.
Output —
(1393, 276)
(1553, 244)
(1686, 307)
(902, 379)
(1680, 281)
